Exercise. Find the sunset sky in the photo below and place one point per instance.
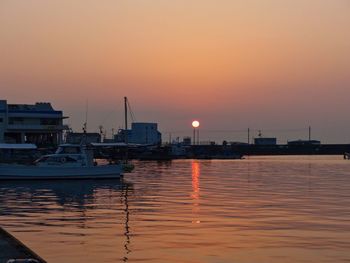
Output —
(273, 65)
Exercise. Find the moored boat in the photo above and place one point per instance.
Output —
(69, 162)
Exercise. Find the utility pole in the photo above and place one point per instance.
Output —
(194, 136)
(197, 136)
(309, 133)
(248, 136)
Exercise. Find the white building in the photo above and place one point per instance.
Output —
(141, 133)
(22, 123)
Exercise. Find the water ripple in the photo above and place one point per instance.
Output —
(262, 209)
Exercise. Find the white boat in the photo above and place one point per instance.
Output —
(69, 162)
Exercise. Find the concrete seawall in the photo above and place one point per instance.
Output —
(12, 248)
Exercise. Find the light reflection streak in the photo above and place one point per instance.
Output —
(195, 191)
(127, 228)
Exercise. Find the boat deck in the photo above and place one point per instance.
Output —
(12, 248)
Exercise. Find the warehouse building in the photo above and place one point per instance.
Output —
(141, 133)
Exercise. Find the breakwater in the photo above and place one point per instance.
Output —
(13, 250)
(234, 151)
(283, 149)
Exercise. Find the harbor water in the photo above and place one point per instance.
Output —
(260, 209)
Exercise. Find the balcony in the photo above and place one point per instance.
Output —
(36, 127)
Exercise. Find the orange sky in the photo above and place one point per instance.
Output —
(270, 65)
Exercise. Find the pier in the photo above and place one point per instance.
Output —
(12, 250)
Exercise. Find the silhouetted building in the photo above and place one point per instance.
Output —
(304, 142)
(265, 141)
(140, 133)
(78, 137)
(187, 141)
(38, 123)
(238, 143)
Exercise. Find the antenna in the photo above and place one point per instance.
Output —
(101, 132)
(86, 116)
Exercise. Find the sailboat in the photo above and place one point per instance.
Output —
(126, 166)
(123, 159)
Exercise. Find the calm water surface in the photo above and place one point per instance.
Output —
(261, 209)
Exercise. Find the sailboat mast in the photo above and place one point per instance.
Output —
(126, 118)
(126, 128)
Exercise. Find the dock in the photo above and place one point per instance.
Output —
(13, 250)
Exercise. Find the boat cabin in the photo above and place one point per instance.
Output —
(69, 149)
(68, 155)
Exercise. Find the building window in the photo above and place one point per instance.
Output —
(1, 120)
(15, 120)
(49, 121)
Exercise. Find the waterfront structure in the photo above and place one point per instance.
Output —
(187, 141)
(304, 142)
(265, 141)
(13, 250)
(78, 137)
(140, 133)
(35, 123)
(18, 153)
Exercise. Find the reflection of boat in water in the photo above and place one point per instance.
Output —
(69, 192)
(46, 204)
(69, 162)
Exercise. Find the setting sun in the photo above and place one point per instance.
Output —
(195, 124)
(179, 131)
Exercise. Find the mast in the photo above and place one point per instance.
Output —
(126, 127)
(126, 115)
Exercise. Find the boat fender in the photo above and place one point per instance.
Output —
(63, 159)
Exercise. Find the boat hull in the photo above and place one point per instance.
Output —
(46, 173)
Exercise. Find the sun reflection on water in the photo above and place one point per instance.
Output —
(195, 191)
(262, 209)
